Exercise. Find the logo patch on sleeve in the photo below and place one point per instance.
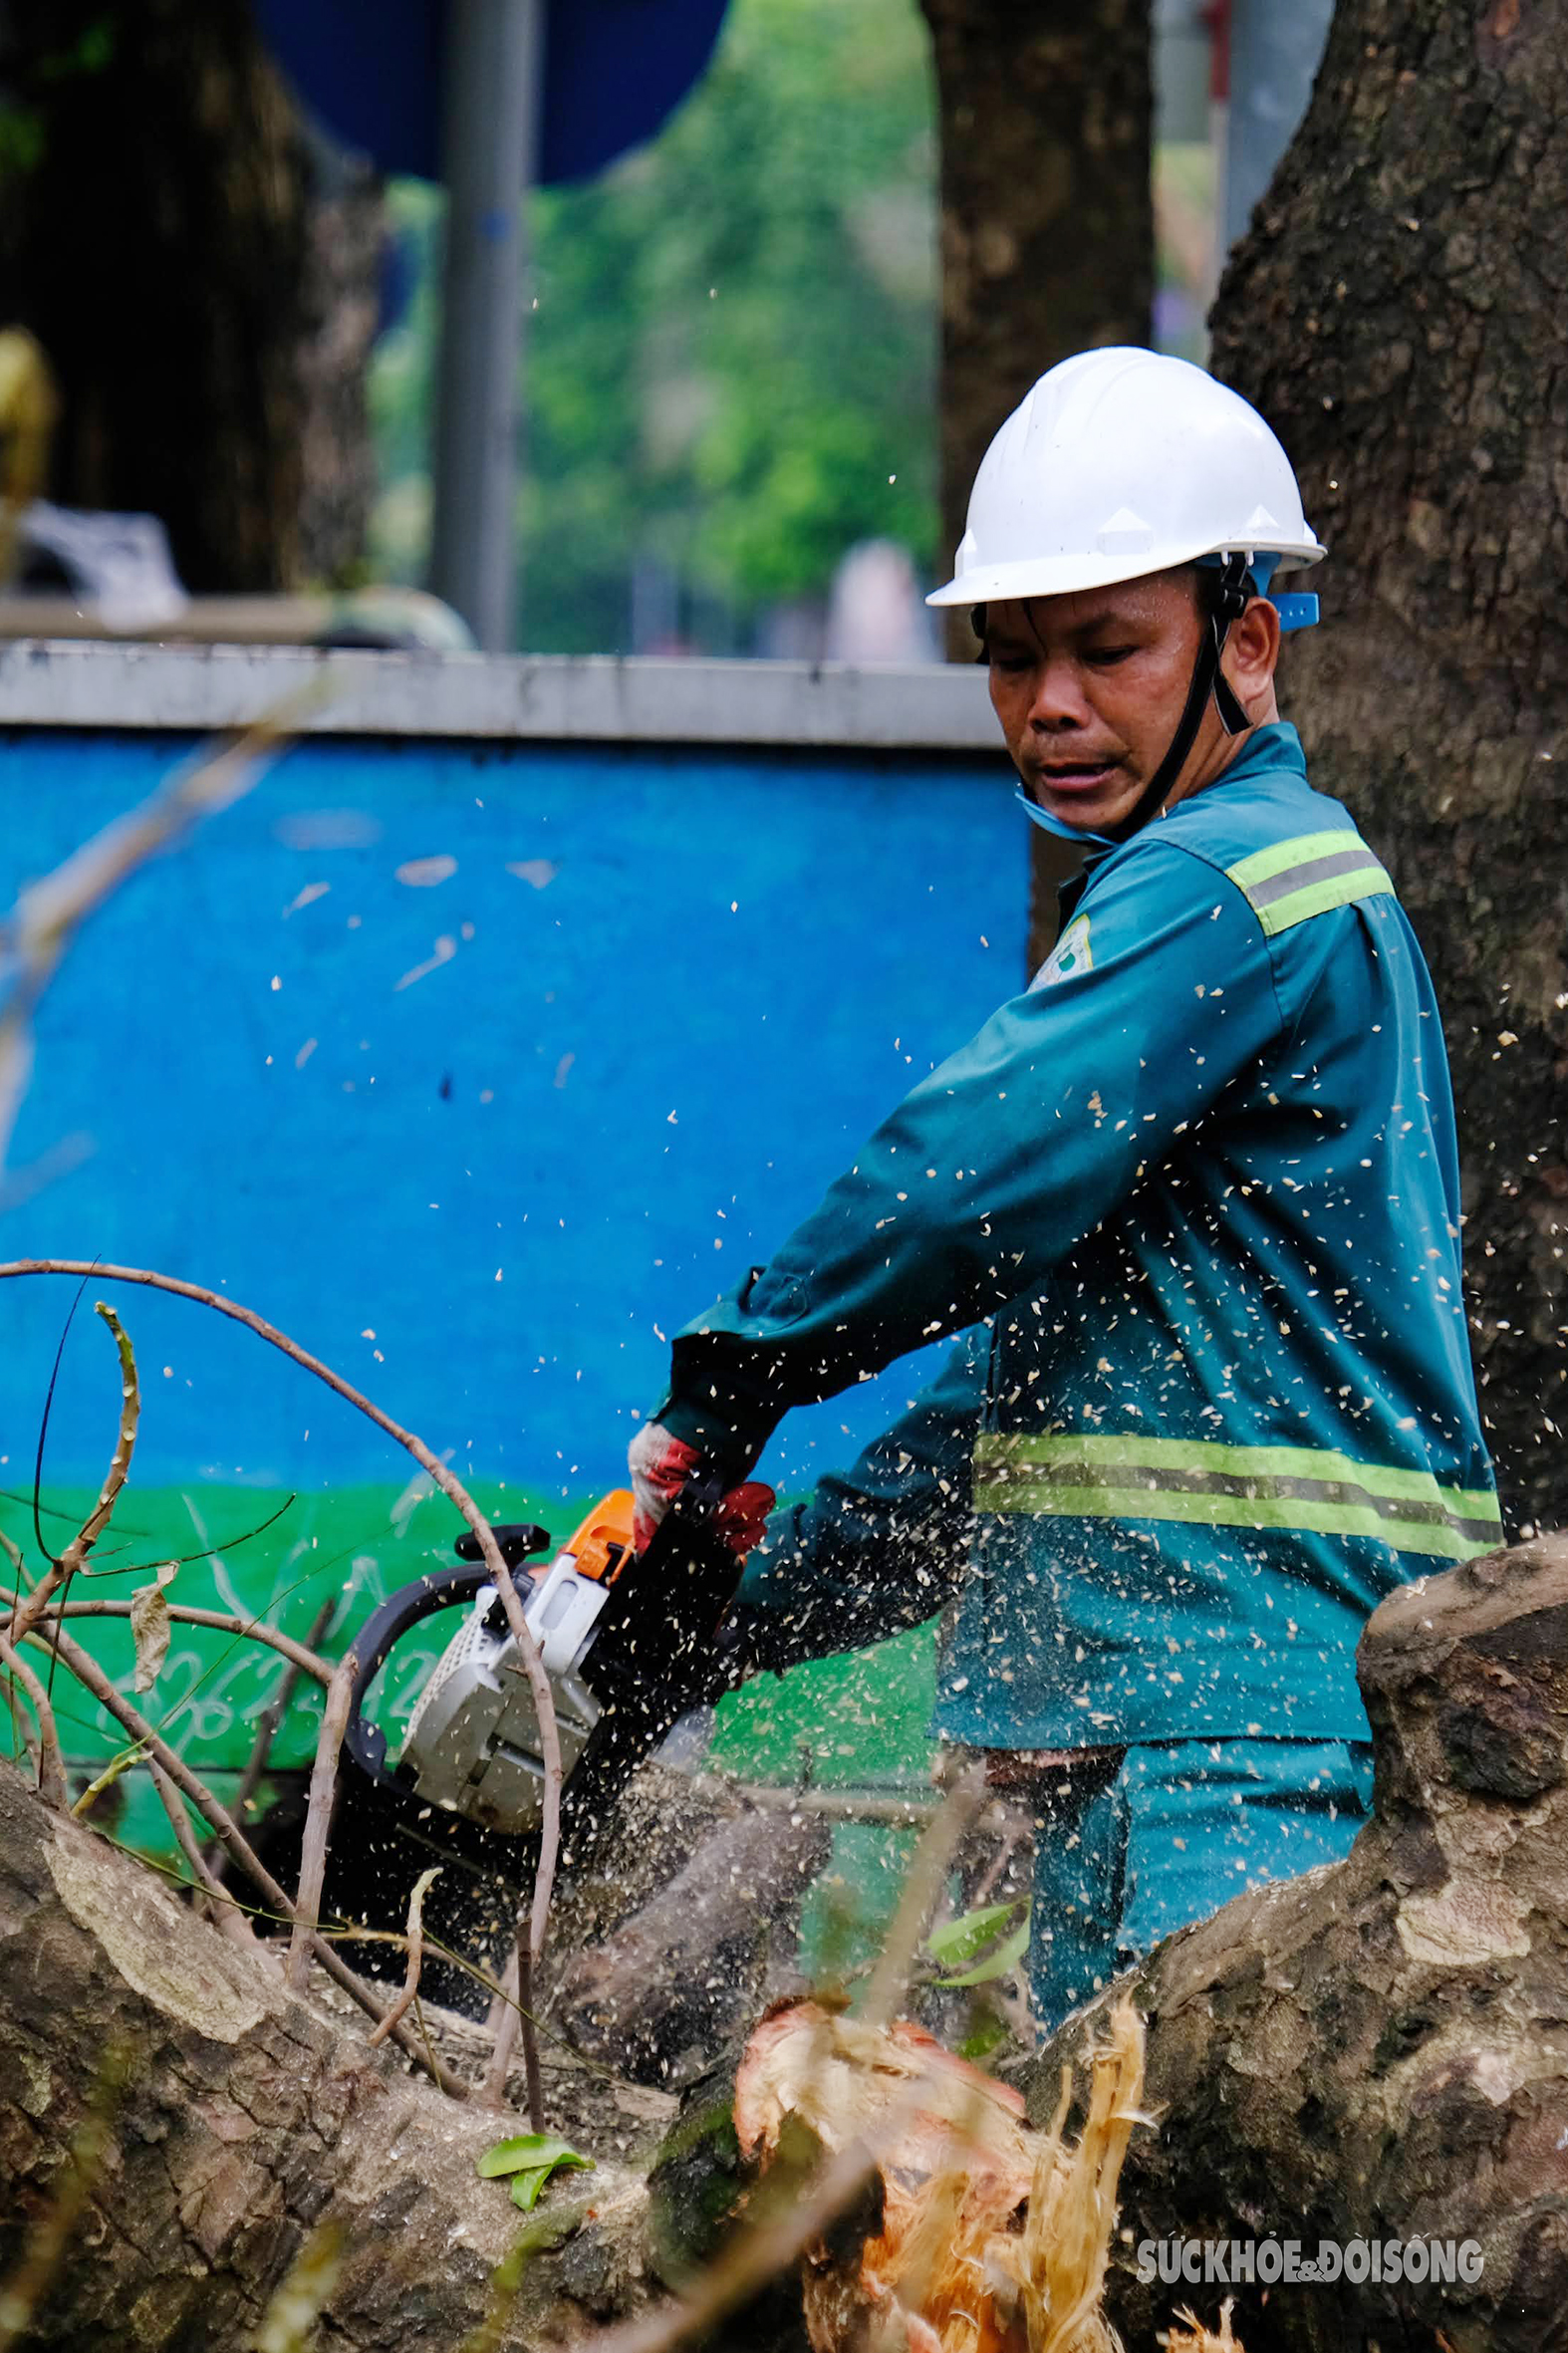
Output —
(1071, 955)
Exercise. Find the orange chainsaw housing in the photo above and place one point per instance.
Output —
(602, 1546)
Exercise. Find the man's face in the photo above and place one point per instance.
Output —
(1089, 690)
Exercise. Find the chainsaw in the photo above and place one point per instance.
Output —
(627, 1641)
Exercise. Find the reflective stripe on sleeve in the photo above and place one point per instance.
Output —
(1307, 1487)
(1291, 881)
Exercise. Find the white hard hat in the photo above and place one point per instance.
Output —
(1118, 463)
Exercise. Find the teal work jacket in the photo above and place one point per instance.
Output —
(1193, 1200)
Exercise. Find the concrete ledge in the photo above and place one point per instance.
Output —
(935, 707)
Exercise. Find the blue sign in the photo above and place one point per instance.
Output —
(615, 70)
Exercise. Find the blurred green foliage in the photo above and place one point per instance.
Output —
(731, 361)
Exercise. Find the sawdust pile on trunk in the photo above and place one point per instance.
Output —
(987, 2236)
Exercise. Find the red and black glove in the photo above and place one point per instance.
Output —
(661, 1465)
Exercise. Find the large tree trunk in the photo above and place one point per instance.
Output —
(345, 232)
(247, 2119)
(1047, 224)
(1395, 312)
(207, 319)
(1047, 235)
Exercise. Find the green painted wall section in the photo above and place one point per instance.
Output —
(862, 1720)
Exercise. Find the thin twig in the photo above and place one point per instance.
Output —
(43, 1424)
(92, 1679)
(508, 2019)
(525, 2012)
(270, 1721)
(492, 2091)
(1013, 1831)
(52, 1786)
(302, 1659)
(411, 1984)
(226, 1913)
(13, 1554)
(39, 927)
(31, 1606)
(318, 1817)
(896, 1811)
(518, 2017)
(513, 2008)
(923, 1884)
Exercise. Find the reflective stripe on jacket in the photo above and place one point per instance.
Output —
(1198, 1186)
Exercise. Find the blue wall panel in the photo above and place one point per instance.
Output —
(515, 1121)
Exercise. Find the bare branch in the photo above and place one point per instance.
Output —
(92, 1679)
(301, 1658)
(511, 2011)
(277, 1707)
(49, 912)
(318, 1817)
(411, 1984)
(31, 1606)
(103, 1510)
(450, 1485)
(52, 1786)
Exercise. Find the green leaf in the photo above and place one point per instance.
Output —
(523, 2153)
(532, 2158)
(996, 1964)
(971, 1932)
(527, 2185)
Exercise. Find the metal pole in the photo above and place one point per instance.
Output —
(1276, 51)
(493, 50)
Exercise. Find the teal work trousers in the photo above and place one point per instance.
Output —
(1127, 1856)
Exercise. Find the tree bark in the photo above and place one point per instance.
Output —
(1047, 224)
(1045, 109)
(207, 319)
(247, 2119)
(1395, 312)
(344, 229)
(1375, 2050)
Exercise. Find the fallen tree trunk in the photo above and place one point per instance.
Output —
(239, 2121)
(1378, 2051)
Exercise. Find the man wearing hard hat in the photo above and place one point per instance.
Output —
(1192, 1200)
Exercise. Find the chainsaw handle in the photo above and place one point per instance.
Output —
(386, 1627)
(380, 1635)
(518, 1539)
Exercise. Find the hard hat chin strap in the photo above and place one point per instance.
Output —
(1227, 599)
